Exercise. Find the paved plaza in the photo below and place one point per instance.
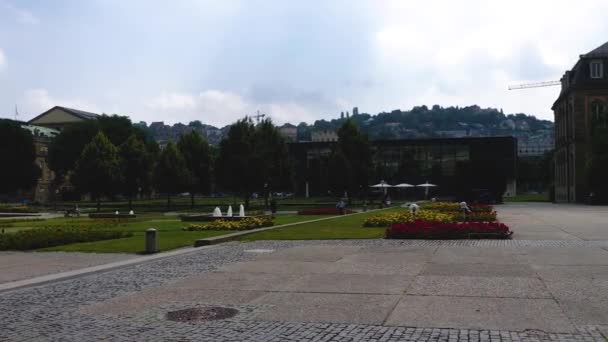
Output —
(549, 283)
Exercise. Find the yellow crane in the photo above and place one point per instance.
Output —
(534, 85)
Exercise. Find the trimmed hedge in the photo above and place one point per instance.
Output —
(55, 236)
(19, 209)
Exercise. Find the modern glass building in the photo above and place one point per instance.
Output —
(457, 165)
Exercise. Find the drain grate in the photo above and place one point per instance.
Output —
(201, 314)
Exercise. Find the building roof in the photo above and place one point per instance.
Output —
(76, 112)
(599, 52)
(288, 125)
(41, 131)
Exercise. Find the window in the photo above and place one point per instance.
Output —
(597, 69)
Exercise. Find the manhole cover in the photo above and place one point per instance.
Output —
(201, 314)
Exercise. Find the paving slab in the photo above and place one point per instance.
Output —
(571, 272)
(565, 256)
(503, 287)
(326, 307)
(393, 257)
(371, 268)
(513, 314)
(479, 270)
(542, 235)
(350, 283)
(280, 267)
(584, 300)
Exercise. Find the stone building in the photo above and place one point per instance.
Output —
(42, 138)
(323, 135)
(582, 100)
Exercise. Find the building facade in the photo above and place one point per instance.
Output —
(457, 165)
(581, 104)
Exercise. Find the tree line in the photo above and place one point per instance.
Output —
(110, 156)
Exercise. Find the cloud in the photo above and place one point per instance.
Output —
(2, 60)
(221, 108)
(21, 15)
(36, 101)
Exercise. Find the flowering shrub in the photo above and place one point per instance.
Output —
(323, 211)
(246, 224)
(420, 229)
(386, 220)
(57, 235)
(453, 206)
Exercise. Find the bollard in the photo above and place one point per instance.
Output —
(151, 241)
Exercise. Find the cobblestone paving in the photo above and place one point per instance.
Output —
(51, 312)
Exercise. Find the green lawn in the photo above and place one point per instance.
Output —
(348, 227)
(170, 233)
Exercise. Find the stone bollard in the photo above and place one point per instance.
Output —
(151, 241)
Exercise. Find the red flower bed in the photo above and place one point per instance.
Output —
(324, 211)
(437, 230)
(483, 208)
(478, 217)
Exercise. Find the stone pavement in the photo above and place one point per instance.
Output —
(24, 265)
(531, 289)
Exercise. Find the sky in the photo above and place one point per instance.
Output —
(217, 61)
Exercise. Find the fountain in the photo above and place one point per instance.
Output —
(229, 212)
(217, 212)
(241, 210)
(217, 215)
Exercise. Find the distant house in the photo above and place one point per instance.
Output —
(60, 117)
(289, 132)
(582, 103)
(324, 135)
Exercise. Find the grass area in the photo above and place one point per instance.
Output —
(348, 227)
(528, 198)
(170, 233)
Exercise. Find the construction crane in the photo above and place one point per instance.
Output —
(258, 116)
(534, 85)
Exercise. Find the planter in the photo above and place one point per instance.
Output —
(446, 231)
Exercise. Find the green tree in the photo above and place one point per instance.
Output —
(197, 156)
(170, 173)
(135, 164)
(261, 151)
(98, 170)
(66, 148)
(19, 170)
(355, 148)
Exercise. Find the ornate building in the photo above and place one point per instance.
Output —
(582, 102)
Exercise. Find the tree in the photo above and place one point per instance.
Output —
(19, 170)
(261, 151)
(355, 149)
(66, 148)
(98, 170)
(197, 156)
(116, 127)
(171, 174)
(135, 164)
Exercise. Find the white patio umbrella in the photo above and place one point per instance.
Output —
(403, 185)
(382, 185)
(426, 187)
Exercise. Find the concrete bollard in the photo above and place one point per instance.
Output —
(151, 241)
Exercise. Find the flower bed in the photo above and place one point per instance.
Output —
(419, 229)
(324, 211)
(477, 217)
(385, 220)
(246, 224)
(57, 235)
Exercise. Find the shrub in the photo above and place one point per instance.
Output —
(419, 229)
(57, 235)
(324, 211)
(385, 220)
(16, 209)
(245, 224)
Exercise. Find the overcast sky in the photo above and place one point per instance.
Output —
(216, 61)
